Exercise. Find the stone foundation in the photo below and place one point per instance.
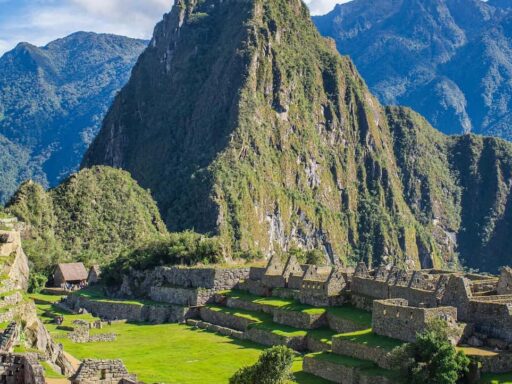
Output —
(379, 356)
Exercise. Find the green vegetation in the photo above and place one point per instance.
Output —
(285, 304)
(353, 314)
(186, 248)
(93, 216)
(431, 358)
(273, 367)
(97, 293)
(367, 337)
(36, 282)
(167, 353)
(489, 378)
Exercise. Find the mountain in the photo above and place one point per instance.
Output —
(450, 60)
(94, 216)
(52, 102)
(245, 123)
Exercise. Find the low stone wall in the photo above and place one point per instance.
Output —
(131, 312)
(300, 320)
(190, 297)
(341, 325)
(272, 281)
(338, 373)
(286, 293)
(233, 302)
(225, 319)
(498, 363)
(216, 328)
(379, 356)
(268, 338)
(319, 299)
(315, 345)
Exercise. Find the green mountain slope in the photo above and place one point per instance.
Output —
(244, 122)
(52, 102)
(93, 216)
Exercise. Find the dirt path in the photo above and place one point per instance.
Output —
(75, 363)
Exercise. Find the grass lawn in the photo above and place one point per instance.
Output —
(367, 337)
(167, 353)
(286, 304)
(353, 314)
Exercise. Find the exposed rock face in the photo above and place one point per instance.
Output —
(52, 101)
(244, 122)
(448, 59)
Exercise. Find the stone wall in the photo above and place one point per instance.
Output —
(491, 317)
(379, 356)
(340, 374)
(394, 318)
(264, 337)
(103, 372)
(342, 325)
(495, 363)
(190, 297)
(111, 310)
(225, 319)
(21, 369)
(210, 278)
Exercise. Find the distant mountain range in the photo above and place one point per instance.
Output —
(52, 102)
(450, 60)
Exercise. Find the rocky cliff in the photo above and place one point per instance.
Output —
(52, 102)
(245, 123)
(448, 59)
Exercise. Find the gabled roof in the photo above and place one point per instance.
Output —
(73, 271)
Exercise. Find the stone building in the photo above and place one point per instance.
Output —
(70, 275)
(323, 289)
(20, 369)
(103, 372)
(396, 319)
(94, 275)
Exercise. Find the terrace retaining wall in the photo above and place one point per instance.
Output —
(225, 319)
(379, 356)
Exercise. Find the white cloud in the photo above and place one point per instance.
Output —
(41, 21)
(321, 7)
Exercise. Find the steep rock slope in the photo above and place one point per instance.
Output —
(52, 102)
(93, 216)
(451, 60)
(244, 122)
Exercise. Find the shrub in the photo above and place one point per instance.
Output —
(186, 248)
(273, 367)
(431, 358)
(36, 282)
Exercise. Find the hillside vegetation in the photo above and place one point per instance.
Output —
(93, 216)
(52, 102)
(255, 129)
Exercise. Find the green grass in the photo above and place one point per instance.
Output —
(285, 304)
(50, 373)
(350, 313)
(503, 378)
(257, 317)
(167, 353)
(325, 335)
(370, 339)
(96, 293)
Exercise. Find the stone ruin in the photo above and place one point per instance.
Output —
(20, 369)
(103, 372)
(81, 333)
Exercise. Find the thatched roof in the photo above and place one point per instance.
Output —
(73, 271)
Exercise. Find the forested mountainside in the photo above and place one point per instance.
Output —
(245, 123)
(52, 102)
(450, 60)
(93, 216)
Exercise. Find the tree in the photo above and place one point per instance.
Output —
(432, 358)
(273, 367)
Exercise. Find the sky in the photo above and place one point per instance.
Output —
(41, 21)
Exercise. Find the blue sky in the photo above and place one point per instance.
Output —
(41, 21)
